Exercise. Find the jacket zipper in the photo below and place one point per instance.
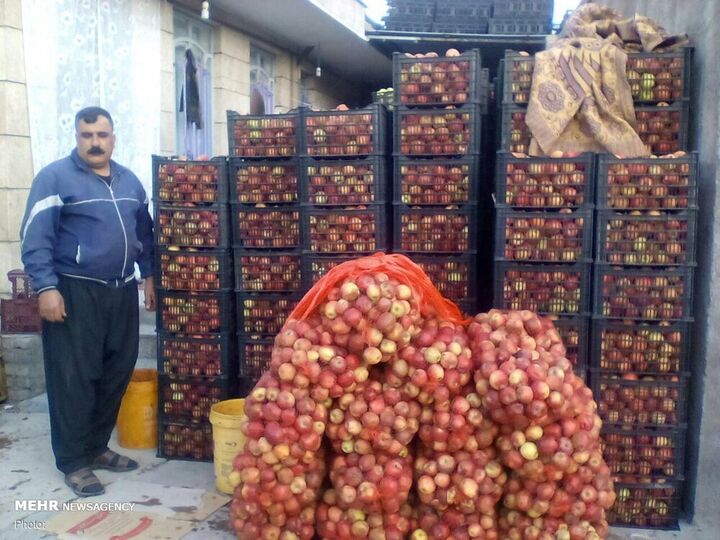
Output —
(122, 225)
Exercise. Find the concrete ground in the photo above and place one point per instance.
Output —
(27, 471)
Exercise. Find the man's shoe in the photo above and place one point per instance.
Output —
(84, 483)
(112, 461)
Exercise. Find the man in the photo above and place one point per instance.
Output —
(86, 225)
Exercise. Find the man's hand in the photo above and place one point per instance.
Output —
(150, 293)
(52, 306)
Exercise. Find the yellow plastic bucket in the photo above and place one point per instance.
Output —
(226, 418)
(137, 418)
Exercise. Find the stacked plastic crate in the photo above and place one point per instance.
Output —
(522, 17)
(410, 15)
(645, 255)
(343, 187)
(437, 127)
(195, 307)
(462, 16)
(264, 172)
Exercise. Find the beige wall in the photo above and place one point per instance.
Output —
(15, 151)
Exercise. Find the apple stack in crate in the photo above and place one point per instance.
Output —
(195, 307)
(660, 87)
(343, 187)
(645, 256)
(543, 242)
(439, 101)
(264, 185)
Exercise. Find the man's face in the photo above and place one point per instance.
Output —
(95, 142)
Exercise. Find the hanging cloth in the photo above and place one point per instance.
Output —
(190, 95)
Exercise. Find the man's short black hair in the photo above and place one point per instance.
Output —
(90, 116)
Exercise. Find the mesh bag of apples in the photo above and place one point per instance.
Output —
(385, 415)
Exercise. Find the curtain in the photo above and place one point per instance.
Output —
(94, 52)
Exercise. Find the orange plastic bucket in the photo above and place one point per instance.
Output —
(137, 419)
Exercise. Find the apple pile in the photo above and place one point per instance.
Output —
(447, 131)
(352, 229)
(656, 77)
(544, 237)
(188, 181)
(634, 348)
(193, 398)
(371, 368)
(556, 291)
(519, 71)
(191, 356)
(643, 294)
(666, 183)
(193, 270)
(267, 136)
(451, 275)
(187, 440)
(190, 227)
(647, 401)
(634, 456)
(656, 505)
(268, 227)
(266, 182)
(438, 182)
(434, 80)
(191, 313)
(544, 183)
(333, 182)
(435, 230)
(660, 128)
(263, 314)
(342, 132)
(516, 134)
(267, 271)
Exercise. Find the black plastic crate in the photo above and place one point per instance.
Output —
(265, 181)
(345, 230)
(478, 25)
(437, 132)
(192, 397)
(649, 294)
(543, 182)
(641, 455)
(450, 10)
(437, 181)
(197, 356)
(664, 129)
(195, 313)
(520, 26)
(316, 266)
(246, 386)
(575, 334)
(266, 227)
(412, 26)
(344, 134)
(543, 288)
(185, 440)
(652, 239)
(515, 136)
(523, 8)
(455, 276)
(660, 402)
(264, 313)
(268, 271)
(548, 237)
(412, 8)
(636, 347)
(647, 506)
(435, 229)
(659, 76)
(439, 81)
(263, 136)
(484, 91)
(647, 183)
(182, 226)
(192, 270)
(181, 181)
(326, 182)
(255, 353)
(517, 72)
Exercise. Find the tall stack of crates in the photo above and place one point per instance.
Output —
(264, 177)
(645, 257)
(343, 193)
(462, 16)
(410, 15)
(521, 17)
(436, 185)
(195, 306)
(19, 314)
(543, 242)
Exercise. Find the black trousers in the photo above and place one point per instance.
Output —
(89, 359)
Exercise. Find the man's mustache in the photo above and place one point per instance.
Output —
(96, 151)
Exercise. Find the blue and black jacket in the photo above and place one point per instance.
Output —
(79, 225)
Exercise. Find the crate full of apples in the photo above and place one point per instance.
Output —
(263, 313)
(515, 136)
(327, 182)
(255, 353)
(188, 226)
(263, 136)
(196, 355)
(575, 334)
(191, 397)
(644, 505)
(186, 439)
(451, 229)
(448, 131)
(455, 276)
(354, 229)
(266, 181)
(192, 270)
(267, 271)
(181, 312)
(266, 227)
(645, 454)
(663, 127)
(316, 266)
(344, 132)
(183, 181)
(436, 181)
